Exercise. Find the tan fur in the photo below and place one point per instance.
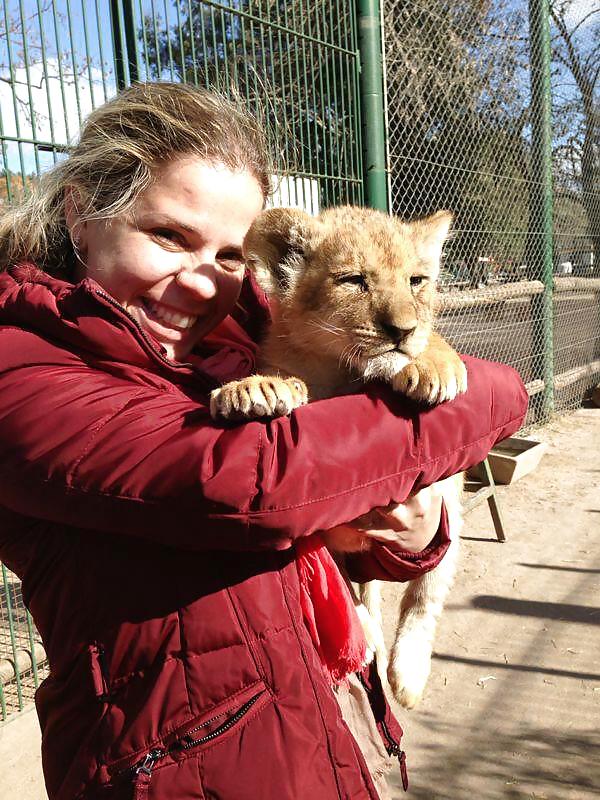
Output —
(353, 295)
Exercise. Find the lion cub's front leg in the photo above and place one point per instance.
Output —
(258, 396)
(436, 375)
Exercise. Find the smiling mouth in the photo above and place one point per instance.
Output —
(167, 316)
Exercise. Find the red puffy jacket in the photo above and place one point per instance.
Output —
(155, 547)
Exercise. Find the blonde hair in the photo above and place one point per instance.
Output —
(120, 147)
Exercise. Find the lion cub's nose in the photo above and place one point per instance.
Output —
(396, 333)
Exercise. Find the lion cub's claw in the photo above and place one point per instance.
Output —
(258, 396)
(430, 381)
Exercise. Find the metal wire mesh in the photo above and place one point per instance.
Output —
(22, 656)
(55, 66)
(460, 77)
(296, 59)
(295, 62)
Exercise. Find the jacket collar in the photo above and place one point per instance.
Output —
(85, 318)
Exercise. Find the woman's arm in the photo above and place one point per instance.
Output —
(85, 447)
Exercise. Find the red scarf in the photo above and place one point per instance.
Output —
(329, 613)
(328, 610)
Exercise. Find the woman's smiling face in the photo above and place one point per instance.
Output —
(175, 261)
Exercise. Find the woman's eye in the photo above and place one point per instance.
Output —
(168, 235)
(231, 261)
(417, 280)
(353, 280)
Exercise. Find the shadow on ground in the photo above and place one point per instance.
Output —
(540, 763)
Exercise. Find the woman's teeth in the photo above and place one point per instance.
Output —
(169, 317)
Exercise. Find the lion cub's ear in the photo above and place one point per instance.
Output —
(430, 234)
(276, 245)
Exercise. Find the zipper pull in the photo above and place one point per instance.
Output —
(403, 771)
(395, 750)
(142, 773)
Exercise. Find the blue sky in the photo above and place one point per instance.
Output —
(46, 111)
(84, 86)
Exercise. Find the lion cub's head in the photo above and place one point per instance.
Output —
(353, 284)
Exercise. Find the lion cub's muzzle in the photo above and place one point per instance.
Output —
(398, 335)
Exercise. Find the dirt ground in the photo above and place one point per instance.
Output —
(512, 708)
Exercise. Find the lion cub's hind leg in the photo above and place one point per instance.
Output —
(420, 608)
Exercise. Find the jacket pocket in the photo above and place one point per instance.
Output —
(208, 729)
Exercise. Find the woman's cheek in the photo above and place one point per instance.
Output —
(230, 285)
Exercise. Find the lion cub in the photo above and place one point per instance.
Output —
(353, 297)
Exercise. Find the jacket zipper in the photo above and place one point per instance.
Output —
(190, 742)
(104, 673)
(149, 344)
(141, 771)
(393, 747)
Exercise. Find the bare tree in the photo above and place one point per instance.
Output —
(576, 50)
(291, 59)
(456, 119)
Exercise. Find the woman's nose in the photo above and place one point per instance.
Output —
(201, 282)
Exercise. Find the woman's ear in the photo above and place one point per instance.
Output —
(75, 225)
(276, 246)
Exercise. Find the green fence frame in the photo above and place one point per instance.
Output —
(541, 195)
(23, 662)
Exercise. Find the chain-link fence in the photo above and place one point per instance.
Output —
(22, 657)
(466, 85)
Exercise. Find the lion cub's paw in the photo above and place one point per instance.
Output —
(258, 396)
(430, 380)
(408, 670)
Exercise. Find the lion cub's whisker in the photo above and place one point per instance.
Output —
(322, 324)
(353, 355)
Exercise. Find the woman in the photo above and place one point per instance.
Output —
(155, 547)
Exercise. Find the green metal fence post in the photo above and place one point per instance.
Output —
(3, 711)
(122, 21)
(372, 105)
(540, 214)
(119, 46)
(131, 41)
(30, 633)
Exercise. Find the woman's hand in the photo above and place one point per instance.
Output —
(408, 526)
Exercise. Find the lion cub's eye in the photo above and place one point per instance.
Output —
(417, 280)
(352, 280)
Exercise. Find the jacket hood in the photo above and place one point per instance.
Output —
(85, 318)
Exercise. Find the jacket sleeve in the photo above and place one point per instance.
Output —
(84, 447)
(386, 563)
